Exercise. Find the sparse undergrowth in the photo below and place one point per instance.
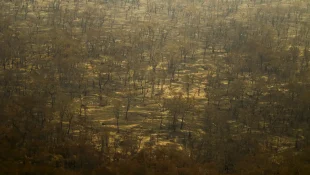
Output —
(154, 87)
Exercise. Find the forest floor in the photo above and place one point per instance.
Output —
(145, 117)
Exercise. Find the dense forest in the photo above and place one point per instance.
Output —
(148, 87)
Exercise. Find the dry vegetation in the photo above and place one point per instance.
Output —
(154, 87)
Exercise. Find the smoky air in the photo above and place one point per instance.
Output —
(154, 87)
